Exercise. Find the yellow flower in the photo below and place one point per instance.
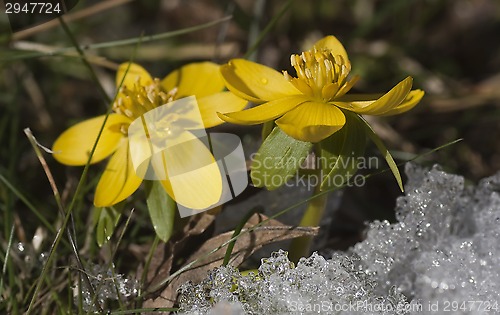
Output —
(139, 94)
(309, 107)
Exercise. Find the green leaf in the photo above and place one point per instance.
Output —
(161, 209)
(278, 159)
(381, 147)
(341, 151)
(106, 220)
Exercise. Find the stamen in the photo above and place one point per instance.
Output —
(124, 129)
(317, 70)
(286, 75)
(309, 73)
(128, 113)
(171, 94)
(137, 100)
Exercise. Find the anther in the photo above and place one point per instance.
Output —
(308, 73)
(124, 129)
(128, 113)
(287, 76)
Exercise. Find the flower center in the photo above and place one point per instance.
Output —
(321, 74)
(136, 100)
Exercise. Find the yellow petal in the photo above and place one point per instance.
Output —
(200, 79)
(132, 74)
(194, 179)
(412, 99)
(356, 97)
(312, 121)
(118, 180)
(347, 86)
(333, 44)
(256, 83)
(385, 103)
(219, 102)
(264, 112)
(74, 145)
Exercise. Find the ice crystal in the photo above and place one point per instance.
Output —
(442, 257)
(107, 286)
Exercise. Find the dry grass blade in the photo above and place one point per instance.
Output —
(97, 8)
(162, 260)
(49, 50)
(36, 146)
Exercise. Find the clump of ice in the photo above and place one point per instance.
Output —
(315, 285)
(107, 286)
(443, 256)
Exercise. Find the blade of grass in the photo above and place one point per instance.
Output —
(27, 203)
(120, 238)
(268, 28)
(57, 197)
(78, 190)
(148, 262)
(48, 49)
(6, 258)
(84, 59)
(69, 289)
(416, 157)
(111, 265)
(12, 147)
(253, 32)
(223, 29)
(237, 232)
(45, 268)
(80, 296)
(123, 42)
(70, 17)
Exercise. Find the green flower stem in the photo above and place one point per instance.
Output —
(301, 246)
(267, 128)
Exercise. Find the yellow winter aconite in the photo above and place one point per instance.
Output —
(139, 94)
(309, 107)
